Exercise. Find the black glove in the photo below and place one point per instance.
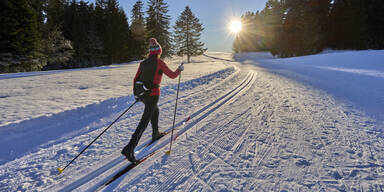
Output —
(181, 67)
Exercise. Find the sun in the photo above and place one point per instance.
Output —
(235, 26)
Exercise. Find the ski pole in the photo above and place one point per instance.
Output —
(62, 169)
(174, 115)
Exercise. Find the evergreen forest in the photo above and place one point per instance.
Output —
(63, 34)
(290, 28)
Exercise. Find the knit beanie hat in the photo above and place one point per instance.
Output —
(154, 47)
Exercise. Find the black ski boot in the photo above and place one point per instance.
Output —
(129, 154)
(157, 136)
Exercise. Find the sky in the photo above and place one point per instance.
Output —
(215, 16)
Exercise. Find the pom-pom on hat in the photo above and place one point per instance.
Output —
(154, 47)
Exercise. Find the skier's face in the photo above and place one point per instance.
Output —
(152, 42)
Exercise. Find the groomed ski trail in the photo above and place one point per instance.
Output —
(120, 163)
(278, 135)
(25, 175)
(270, 134)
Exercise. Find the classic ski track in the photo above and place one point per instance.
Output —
(209, 149)
(228, 97)
(233, 75)
(242, 141)
(235, 146)
(120, 161)
(268, 144)
(178, 177)
(255, 166)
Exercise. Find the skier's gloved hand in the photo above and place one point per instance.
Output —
(181, 67)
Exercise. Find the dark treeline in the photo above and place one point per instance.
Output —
(300, 27)
(62, 34)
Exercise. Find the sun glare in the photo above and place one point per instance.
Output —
(235, 26)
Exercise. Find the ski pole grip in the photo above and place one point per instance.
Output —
(181, 67)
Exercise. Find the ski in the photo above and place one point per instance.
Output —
(138, 162)
(150, 143)
(128, 168)
(125, 170)
(132, 165)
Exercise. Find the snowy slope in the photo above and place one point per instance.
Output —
(257, 124)
(353, 76)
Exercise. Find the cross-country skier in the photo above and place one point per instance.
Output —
(147, 89)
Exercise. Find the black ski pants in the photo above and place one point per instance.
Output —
(151, 113)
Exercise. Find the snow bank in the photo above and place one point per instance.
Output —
(353, 76)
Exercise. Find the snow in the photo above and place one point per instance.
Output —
(257, 123)
(353, 76)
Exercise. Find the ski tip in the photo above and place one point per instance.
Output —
(168, 152)
(60, 170)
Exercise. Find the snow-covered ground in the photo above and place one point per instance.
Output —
(257, 123)
(352, 76)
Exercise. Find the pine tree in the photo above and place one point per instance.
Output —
(139, 45)
(57, 47)
(320, 14)
(295, 27)
(58, 50)
(18, 28)
(39, 7)
(113, 28)
(55, 13)
(79, 27)
(272, 15)
(124, 35)
(301, 28)
(374, 9)
(347, 27)
(158, 25)
(20, 40)
(187, 35)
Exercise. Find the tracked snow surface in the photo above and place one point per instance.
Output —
(256, 123)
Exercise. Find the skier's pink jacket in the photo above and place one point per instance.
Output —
(161, 66)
